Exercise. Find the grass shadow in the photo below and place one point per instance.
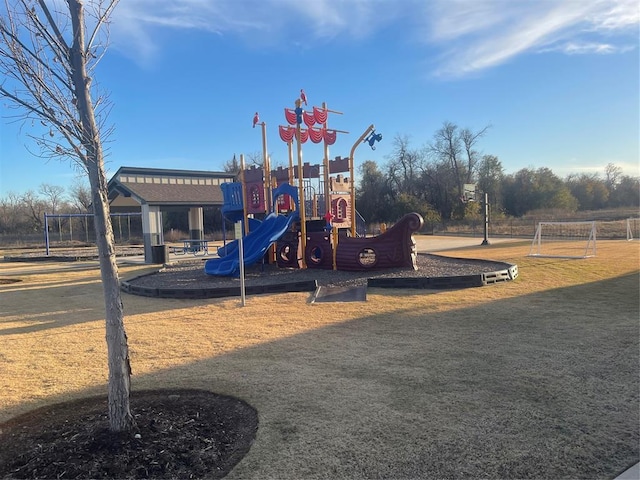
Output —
(537, 386)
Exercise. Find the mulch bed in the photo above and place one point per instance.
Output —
(178, 434)
(191, 274)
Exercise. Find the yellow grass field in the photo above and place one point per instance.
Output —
(297, 362)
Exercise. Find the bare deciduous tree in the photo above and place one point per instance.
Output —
(612, 174)
(48, 53)
(404, 166)
(36, 207)
(231, 166)
(80, 194)
(457, 148)
(54, 193)
(10, 213)
(254, 159)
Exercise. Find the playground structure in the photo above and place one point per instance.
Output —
(312, 224)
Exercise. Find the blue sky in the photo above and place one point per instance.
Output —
(557, 80)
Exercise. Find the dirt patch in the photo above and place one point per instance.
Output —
(179, 434)
(8, 281)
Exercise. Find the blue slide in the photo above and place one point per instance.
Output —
(255, 244)
(231, 248)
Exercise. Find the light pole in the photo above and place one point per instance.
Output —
(370, 139)
(266, 163)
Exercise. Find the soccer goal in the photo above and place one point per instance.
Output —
(564, 240)
(633, 229)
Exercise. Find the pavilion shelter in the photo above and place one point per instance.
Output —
(152, 190)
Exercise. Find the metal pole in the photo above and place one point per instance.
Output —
(486, 220)
(290, 152)
(46, 235)
(245, 201)
(326, 191)
(238, 232)
(301, 197)
(267, 169)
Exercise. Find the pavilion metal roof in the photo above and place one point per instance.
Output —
(168, 187)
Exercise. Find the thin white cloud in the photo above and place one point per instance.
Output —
(573, 165)
(516, 34)
(585, 48)
(485, 33)
(138, 24)
(616, 15)
(471, 35)
(448, 21)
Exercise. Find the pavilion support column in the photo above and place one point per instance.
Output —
(196, 223)
(151, 229)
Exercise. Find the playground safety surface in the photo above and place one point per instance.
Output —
(188, 279)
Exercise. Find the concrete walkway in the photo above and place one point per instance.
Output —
(439, 243)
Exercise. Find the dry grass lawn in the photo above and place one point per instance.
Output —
(536, 378)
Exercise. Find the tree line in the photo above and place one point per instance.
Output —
(429, 180)
(435, 180)
(24, 213)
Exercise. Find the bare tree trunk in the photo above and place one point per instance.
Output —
(47, 75)
(120, 418)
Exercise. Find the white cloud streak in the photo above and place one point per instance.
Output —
(467, 36)
(481, 34)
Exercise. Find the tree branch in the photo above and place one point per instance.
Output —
(53, 25)
(101, 20)
(23, 48)
(28, 106)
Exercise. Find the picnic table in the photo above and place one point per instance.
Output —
(194, 246)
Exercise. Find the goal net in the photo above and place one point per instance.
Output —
(633, 228)
(564, 240)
